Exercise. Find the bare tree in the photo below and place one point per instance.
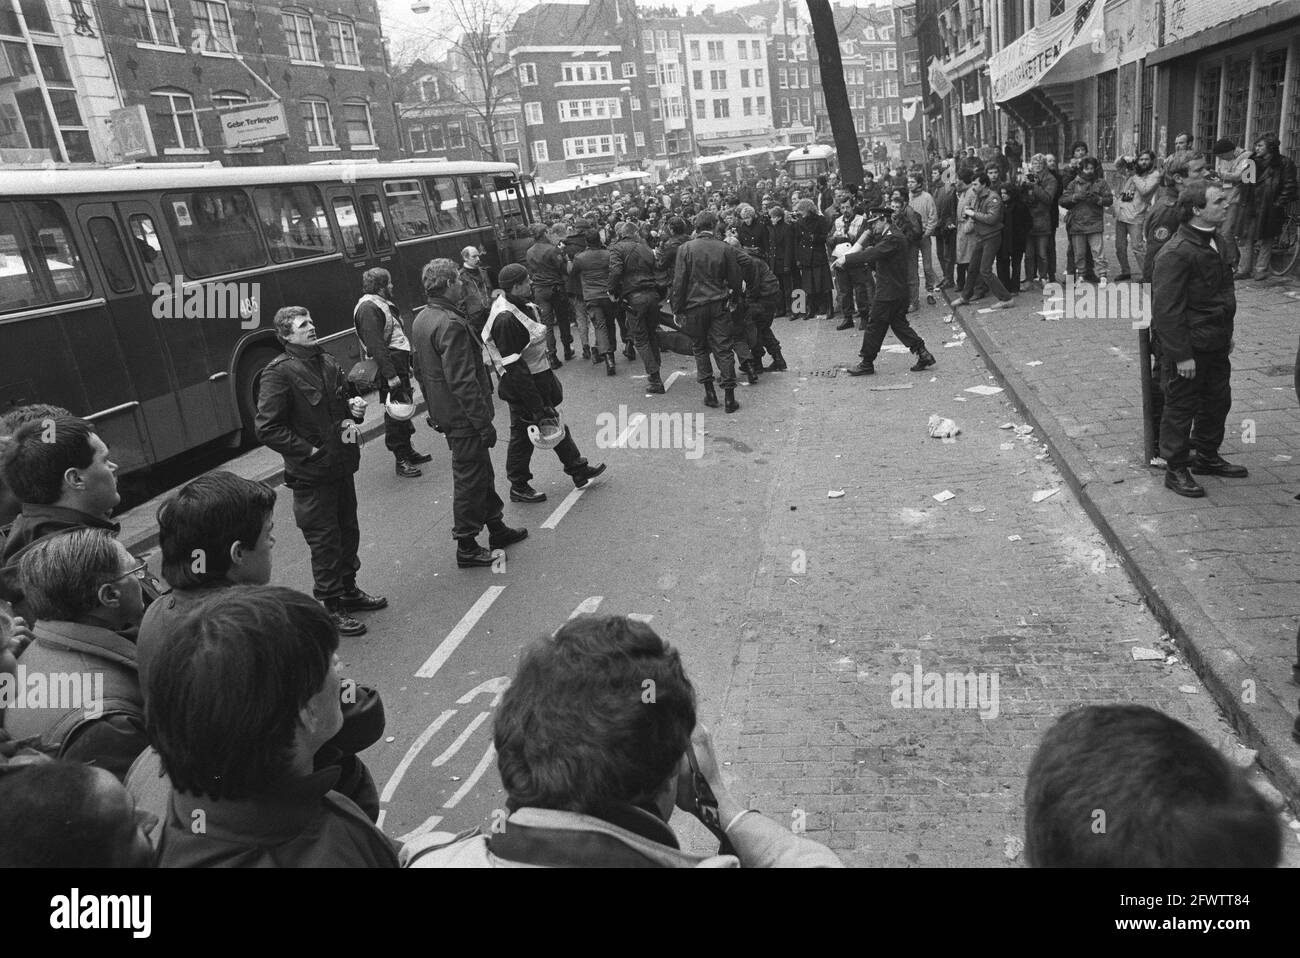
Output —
(466, 45)
(835, 90)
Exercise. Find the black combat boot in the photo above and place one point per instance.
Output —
(729, 399)
(710, 395)
(751, 371)
(777, 365)
(1179, 479)
(924, 360)
(610, 369)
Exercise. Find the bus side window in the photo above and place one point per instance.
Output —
(354, 240)
(53, 243)
(293, 219)
(147, 244)
(19, 286)
(445, 202)
(476, 209)
(374, 214)
(406, 208)
(215, 231)
(112, 254)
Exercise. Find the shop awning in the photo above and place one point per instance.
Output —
(1061, 46)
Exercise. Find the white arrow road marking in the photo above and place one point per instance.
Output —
(461, 739)
(554, 519)
(474, 776)
(495, 687)
(429, 824)
(639, 617)
(587, 606)
(668, 383)
(457, 635)
(632, 425)
(412, 752)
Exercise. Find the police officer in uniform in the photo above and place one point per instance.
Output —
(550, 271)
(888, 253)
(632, 282)
(707, 274)
(1193, 306)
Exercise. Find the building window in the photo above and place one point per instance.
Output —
(859, 124)
(1236, 96)
(429, 90)
(629, 70)
(582, 146)
(1055, 8)
(803, 78)
(418, 143)
(909, 22)
(528, 74)
(356, 121)
(744, 78)
(648, 41)
(760, 105)
(212, 33)
(604, 108)
(891, 60)
(661, 146)
(656, 108)
(695, 49)
(780, 47)
(747, 107)
(697, 79)
(758, 78)
(433, 132)
(588, 72)
(300, 36)
(721, 109)
(638, 138)
(512, 155)
(539, 151)
(781, 83)
(911, 66)
(533, 114)
(1207, 105)
(455, 136)
(717, 79)
(636, 103)
(716, 51)
(891, 87)
(319, 122)
(756, 49)
(1107, 95)
(1268, 91)
(343, 42)
(742, 47)
(507, 130)
(153, 21)
(226, 99)
(699, 110)
(178, 122)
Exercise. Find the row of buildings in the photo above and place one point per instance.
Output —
(1120, 75)
(581, 87)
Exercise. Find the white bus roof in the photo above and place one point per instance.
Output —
(814, 151)
(591, 182)
(145, 176)
(739, 155)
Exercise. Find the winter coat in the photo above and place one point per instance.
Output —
(453, 377)
(1040, 200)
(1193, 302)
(1142, 187)
(781, 246)
(1273, 190)
(1087, 201)
(707, 271)
(965, 226)
(811, 233)
(302, 404)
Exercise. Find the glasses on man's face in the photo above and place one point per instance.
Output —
(140, 572)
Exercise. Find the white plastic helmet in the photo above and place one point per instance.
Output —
(399, 409)
(548, 434)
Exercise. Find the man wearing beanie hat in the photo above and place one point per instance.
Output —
(515, 338)
(1231, 162)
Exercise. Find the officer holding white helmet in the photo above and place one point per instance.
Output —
(515, 338)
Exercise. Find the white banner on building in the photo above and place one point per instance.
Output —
(940, 85)
(1020, 66)
(973, 108)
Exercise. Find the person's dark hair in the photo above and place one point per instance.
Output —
(1090, 161)
(375, 279)
(593, 239)
(540, 230)
(967, 175)
(597, 715)
(1179, 164)
(62, 573)
(225, 692)
(207, 517)
(1274, 144)
(52, 816)
(32, 412)
(438, 275)
(706, 222)
(1079, 143)
(40, 451)
(1192, 197)
(284, 318)
(1168, 798)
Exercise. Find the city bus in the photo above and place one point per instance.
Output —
(591, 188)
(807, 163)
(142, 297)
(760, 159)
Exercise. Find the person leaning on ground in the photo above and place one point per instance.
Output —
(593, 769)
(1170, 799)
(379, 328)
(308, 412)
(632, 282)
(706, 276)
(245, 763)
(761, 294)
(459, 391)
(84, 588)
(1193, 305)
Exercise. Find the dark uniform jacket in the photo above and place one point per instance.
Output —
(546, 264)
(1193, 302)
(888, 256)
(666, 261)
(591, 266)
(753, 236)
(454, 379)
(631, 268)
(810, 241)
(707, 271)
(1163, 220)
(780, 246)
(302, 404)
(761, 284)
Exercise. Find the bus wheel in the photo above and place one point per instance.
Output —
(252, 363)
